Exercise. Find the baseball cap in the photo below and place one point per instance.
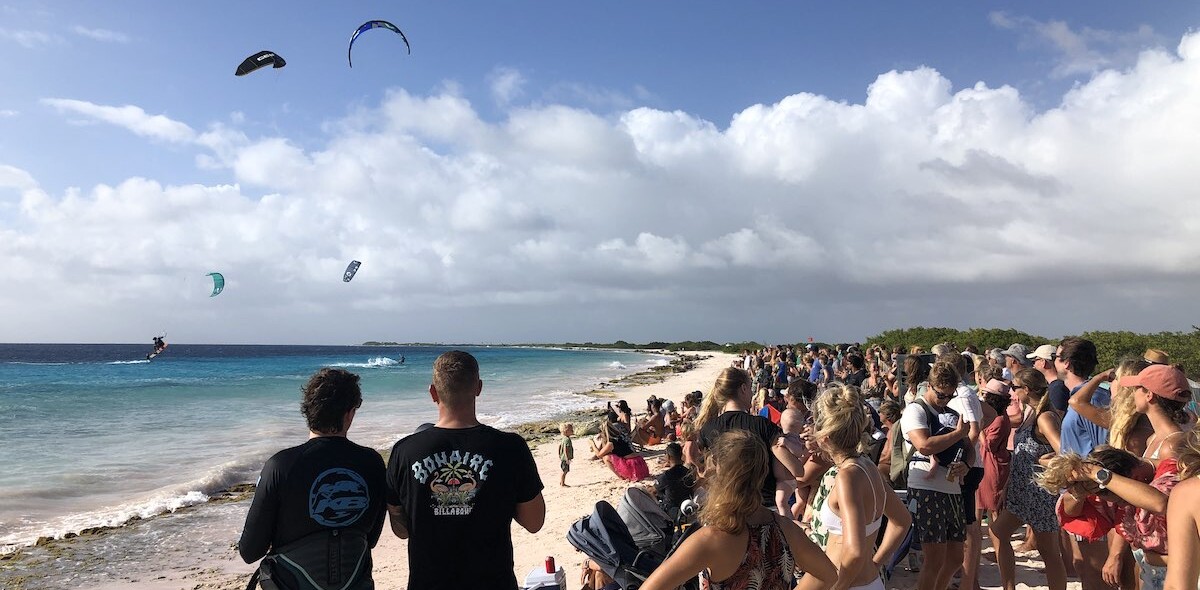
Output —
(1044, 352)
(996, 386)
(1019, 352)
(1162, 380)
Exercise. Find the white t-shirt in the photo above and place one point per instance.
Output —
(966, 403)
(921, 475)
(747, 363)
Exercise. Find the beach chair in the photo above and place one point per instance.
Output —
(648, 523)
(605, 539)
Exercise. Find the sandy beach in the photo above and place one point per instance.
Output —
(588, 481)
(591, 481)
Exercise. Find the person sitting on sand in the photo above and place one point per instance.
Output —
(616, 452)
(693, 458)
(742, 543)
(674, 485)
(649, 432)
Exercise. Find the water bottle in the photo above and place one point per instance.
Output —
(957, 457)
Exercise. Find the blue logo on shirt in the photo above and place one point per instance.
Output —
(338, 498)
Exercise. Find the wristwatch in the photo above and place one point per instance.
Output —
(1103, 476)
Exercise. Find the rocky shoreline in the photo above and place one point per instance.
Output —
(72, 547)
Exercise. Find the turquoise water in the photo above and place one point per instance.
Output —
(94, 435)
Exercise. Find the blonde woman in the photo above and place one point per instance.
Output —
(1127, 428)
(742, 544)
(1183, 518)
(860, 499)
(725, 409)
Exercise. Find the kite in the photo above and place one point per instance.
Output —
(350, 270)
(373, 24)
(218, 283)
(261, 59)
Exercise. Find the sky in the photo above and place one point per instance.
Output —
(594, 171)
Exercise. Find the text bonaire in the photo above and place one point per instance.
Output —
(477, 463)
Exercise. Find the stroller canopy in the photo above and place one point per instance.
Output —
(648, 524)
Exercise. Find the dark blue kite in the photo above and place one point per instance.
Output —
(375, 24)
(350, 270)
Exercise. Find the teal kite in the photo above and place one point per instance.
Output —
(218, 283)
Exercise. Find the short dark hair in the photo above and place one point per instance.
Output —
(856, 361)
(802, 391)
(1080, 354)
(328, 395)
(455, 376)
(675, 452)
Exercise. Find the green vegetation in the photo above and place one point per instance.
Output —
(671, 346)
(1184, 347)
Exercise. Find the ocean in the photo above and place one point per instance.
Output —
(97, 436)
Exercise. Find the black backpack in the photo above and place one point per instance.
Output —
(900, 458)
(334, 559)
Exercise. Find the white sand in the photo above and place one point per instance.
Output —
(591, 481)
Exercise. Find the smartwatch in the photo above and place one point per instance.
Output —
(1103, 476)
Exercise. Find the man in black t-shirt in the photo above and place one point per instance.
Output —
(453, 490)
(325, 485)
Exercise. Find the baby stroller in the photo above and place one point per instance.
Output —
(648, 523)
(605, 539)
(908, 547)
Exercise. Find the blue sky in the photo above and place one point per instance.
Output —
(659, 117)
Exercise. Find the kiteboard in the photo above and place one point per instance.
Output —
(151, 356)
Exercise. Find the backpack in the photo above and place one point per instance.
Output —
(900, 458)
(336, 559)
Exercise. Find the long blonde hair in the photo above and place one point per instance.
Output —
(725, 388)
(1124, 413)
(839, 418)
(1060, 470)
(1187, 454)
(739, 463)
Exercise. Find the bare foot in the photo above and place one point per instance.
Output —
(564, 485)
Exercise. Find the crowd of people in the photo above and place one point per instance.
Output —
(878, 452)
(813, 468)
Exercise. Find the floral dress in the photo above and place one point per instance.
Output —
(768, 564)
(1025, 499)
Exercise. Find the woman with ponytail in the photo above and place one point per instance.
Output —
(726, 409)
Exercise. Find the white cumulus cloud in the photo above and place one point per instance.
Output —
(923, 204)
(130, 117)
(103, 35)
